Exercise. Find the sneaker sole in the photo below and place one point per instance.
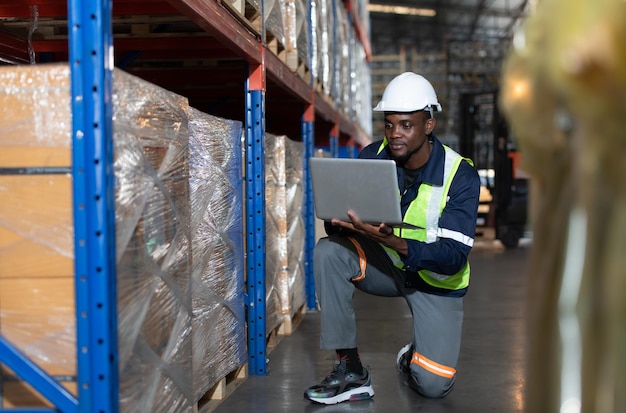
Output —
(402, 351)
(360, 393)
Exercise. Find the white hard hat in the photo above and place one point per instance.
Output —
(408, 92)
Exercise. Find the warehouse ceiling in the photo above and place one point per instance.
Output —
(472, 35)
(434, 23)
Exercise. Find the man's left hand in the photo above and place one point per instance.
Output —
(381, 233)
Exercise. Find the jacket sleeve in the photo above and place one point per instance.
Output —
(457, 227)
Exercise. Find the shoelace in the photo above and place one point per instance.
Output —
(338, 371)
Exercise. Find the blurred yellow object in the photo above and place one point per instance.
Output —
(564, 94)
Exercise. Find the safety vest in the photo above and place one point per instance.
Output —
(424, 212)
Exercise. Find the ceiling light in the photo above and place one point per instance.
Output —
(404, 10)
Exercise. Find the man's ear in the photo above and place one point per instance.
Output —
(430, 125)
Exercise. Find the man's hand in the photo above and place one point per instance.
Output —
(381, 233)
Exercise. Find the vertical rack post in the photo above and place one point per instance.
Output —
(308, 139)
(255, 219)
(91, 63)
(333, 141)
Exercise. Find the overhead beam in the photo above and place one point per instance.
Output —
(217, 20)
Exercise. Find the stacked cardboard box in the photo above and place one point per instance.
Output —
(218, 325)
(284, 279)
(36, 245)
(155, 231)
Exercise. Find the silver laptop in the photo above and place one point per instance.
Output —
(369, 187)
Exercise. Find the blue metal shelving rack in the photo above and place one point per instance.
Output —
(255, 221)
(308, 139)
(91, 63)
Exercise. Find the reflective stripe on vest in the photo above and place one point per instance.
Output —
(425, 211)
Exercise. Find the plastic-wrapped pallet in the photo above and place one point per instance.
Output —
(151, 141)
(343, 31)
(301, 33)
(36, 238)
(362, 90)
(219, 341)
(276, 254)
(152, 236)
(294, 154)
(322, 45)
(273, 17)
(284, 281)
(286, 25)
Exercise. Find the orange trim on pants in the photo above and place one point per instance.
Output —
(362, 259)
(433, 367)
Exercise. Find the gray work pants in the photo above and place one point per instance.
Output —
(437, 320)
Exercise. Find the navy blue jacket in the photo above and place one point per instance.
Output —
(446, 255)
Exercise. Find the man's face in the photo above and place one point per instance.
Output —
(407, 134)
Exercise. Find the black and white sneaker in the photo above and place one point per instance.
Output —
(403, 359)
(341, 385)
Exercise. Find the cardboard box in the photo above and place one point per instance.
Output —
(36, 119)
(152, 213)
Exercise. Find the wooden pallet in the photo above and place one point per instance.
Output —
(287, 56)
(303, 69)
(221, 390)
(227, 385)
(243, 11)
(292, 322)
(286, 328)
(323, 93)
(251, 18)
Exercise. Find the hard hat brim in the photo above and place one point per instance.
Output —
(381, 108)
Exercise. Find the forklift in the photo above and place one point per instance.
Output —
(485, 138)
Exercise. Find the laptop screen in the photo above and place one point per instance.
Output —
(369, 187)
